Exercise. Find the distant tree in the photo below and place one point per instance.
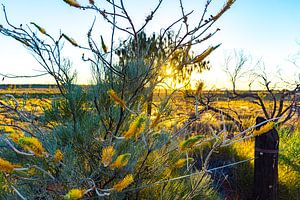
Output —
(277, 100)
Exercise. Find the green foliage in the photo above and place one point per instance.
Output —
(288, 168)
(289, 164)
(86, 120)
(106, 131)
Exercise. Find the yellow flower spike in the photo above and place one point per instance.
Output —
(223, 10)
(58, 156)
(264, 129)
(204, 54)
(190, 142)
(41, 29)
(73, 3)
(6, 166)
(107, 155)
(121, 161)
(104, 47)
(74, 194)
(181, 162)
(131, 131)
(136, 127)
(121, 185)
(9, 129)
(32, 144)
(71, 40)
(113, 95)
(15, 136)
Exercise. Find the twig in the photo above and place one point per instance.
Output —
(16, 150)
(18, 193)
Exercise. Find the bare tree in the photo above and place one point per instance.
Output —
(273, 101)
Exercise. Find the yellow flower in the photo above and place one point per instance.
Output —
(223, 10)
(71, 40)
(9, 129)
(58, 156)
(73, 3)
(104, 47)
(113, 95)
(136, 127)
(6, 166)
(41, 29)
(32, 144)
(181, 162)
(123, 183)
(190, 142)
(264, 129)
(121, 161)
(203, 55)
(107, 155)
(74, 194)
(15, 136)
(131, 131)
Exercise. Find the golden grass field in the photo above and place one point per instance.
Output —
(34, 100)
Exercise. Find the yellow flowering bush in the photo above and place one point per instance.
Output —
(104, 137)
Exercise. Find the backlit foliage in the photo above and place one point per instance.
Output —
(111, 139)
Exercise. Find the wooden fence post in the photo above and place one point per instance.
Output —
(266, 164)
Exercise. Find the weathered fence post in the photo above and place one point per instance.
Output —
(266, 164)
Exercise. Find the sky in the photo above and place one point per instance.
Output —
(266, 30)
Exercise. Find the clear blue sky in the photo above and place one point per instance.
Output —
(267, 29)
